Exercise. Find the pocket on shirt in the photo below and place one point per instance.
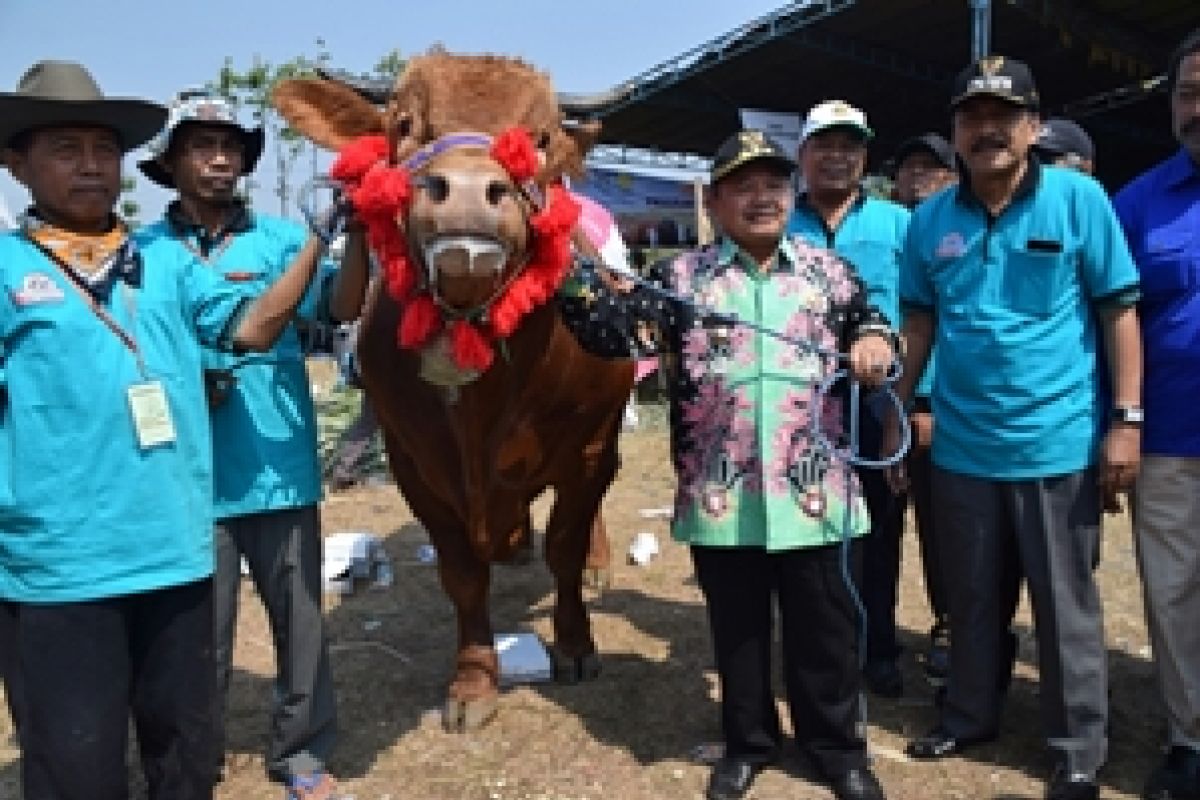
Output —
(1032, 282)
(1170, 265)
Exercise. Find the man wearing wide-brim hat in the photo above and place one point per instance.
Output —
(267, 476)
(106, 553)
(770, 515)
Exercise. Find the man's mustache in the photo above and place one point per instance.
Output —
(989, 142)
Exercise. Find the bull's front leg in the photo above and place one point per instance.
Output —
(473, 694)
(597, 567)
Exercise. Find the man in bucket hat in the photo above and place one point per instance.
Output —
(772, 519)
(106, 554)
(265, 466)
(1019, 274)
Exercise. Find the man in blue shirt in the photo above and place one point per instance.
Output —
(266, 472)
(106, 554)
(835, 213)
(925, 165)
(1160, 212)
(1016, 274)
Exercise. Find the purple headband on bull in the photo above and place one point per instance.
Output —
(200, 106)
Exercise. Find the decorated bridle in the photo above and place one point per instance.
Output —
(381, 191)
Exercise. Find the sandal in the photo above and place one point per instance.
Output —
(317, 785)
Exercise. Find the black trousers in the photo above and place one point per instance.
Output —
(920, 489)
(820, 653)
(10, 676)
(881, 547)
(84, 667)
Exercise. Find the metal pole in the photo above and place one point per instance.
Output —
(981, 28)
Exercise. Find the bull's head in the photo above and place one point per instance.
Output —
(467, 222)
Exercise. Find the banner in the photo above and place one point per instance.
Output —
(650, 211)
(783, 127)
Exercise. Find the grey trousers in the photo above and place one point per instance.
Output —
(1167, 533)
(283, 550)
(1052, 527)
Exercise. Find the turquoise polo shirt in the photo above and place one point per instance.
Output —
(1017, 393)
(870, 237)
(85, 512)
(264, 435)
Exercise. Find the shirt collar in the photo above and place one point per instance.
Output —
(125, 264)
(240, 220)
(730, 254)
(1028, 185)
(803, 203)
(1181, 169)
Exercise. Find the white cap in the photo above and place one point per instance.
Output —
(835, 114)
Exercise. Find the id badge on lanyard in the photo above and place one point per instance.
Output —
(148, 407)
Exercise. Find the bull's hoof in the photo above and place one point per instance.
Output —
(461, 715)
(576, 670)
(597, 578)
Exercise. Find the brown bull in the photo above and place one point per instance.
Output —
(471, 453)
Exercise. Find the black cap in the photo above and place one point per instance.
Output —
(996, 76)
(1060, 137)
(745, 147)
(930, 143)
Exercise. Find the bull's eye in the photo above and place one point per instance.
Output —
(436, 185)
(496, 191)
(543, 141)
(404, 125)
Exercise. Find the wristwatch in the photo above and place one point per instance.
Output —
(1128, 415)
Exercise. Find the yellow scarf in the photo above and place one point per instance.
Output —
(87, 253)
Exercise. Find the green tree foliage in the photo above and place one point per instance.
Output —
(249, 91)
(130, 208)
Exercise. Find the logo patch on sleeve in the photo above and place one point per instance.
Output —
(37, 287)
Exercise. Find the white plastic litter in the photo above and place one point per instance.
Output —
(523, 658)
(354, 556)
(643, 548)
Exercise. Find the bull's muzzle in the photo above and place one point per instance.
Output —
(465, 256)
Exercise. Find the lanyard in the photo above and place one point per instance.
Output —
(127, 295)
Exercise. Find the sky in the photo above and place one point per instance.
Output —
(141, 48)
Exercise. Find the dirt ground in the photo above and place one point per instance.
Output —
(629, 734)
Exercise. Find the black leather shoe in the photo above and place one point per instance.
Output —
(1065, 785)
(858, 783)
(731, 778)
(940, 743)
(1177, 778)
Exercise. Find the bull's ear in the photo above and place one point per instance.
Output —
(329, 113)
(568, 149)
(584, 134)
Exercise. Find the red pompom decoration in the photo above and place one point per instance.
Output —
(383, 192)
(469, 347)
(356, 158)
(420, 322)
(514, 150)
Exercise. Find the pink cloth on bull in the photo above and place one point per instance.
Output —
(601, 230)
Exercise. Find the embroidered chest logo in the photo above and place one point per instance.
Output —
(37, 287)
(952, 245)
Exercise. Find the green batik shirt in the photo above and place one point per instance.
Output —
(751, 472)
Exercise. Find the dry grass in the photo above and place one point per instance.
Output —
(627, 735)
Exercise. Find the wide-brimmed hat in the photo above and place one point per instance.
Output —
(199, 106)
(62, 93)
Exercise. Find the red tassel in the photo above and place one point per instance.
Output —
(514, 150)
(469, 347)
(383, 193)
(420, 322)
(360, 155)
